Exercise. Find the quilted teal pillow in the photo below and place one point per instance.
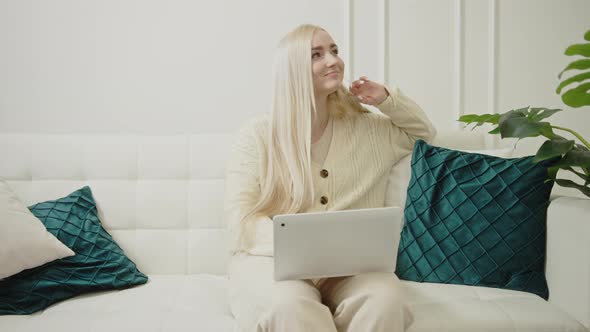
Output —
(99, 264)
(475, 219)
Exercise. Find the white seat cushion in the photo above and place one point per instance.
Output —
(165, 303)
(199, 303)
(457, 308)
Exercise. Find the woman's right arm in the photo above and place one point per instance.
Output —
(242, 190)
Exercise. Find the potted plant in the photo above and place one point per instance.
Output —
(571, 156)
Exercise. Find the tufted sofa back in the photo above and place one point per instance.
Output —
(160, 197)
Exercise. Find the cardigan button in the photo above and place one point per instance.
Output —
(324, 173)
(324, 200)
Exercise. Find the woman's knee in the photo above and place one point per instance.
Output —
(288, 289)
(258, 307)
(374, 304)
(291, 304)
(376, 283)
(383, 293)
(298, 313)
(386, 303)
(375, 293)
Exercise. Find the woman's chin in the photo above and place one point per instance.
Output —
(331, 88)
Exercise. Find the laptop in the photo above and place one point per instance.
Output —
(336, 243)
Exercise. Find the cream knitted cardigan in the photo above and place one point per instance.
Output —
(361, 154)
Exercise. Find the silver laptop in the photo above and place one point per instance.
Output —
(336, 243)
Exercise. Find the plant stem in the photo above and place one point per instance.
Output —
(573, 133)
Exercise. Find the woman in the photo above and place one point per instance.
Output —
(318, 150)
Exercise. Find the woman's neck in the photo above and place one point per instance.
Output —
(320, 119)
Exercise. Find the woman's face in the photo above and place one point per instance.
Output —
(327, 67)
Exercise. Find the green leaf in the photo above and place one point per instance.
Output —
(522, 127)
(546, 130)
(468, 118)
(540, 113)
(577, 78)
(571, 184)
(523, 123)
(575, 157)
(578, 49)
(523, 111)
(516, 113)
(494, 131)
(552, 172)
(579, 148)
(480, 118)
(587, 35)
(489, 118)
(578, 64)
(553, 148)
(578, 96)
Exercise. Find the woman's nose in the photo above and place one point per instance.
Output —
(331, 60)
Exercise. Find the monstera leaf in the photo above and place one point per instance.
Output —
(530, 122)
(519, 123)
(580, 95)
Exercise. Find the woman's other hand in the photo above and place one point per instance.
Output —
(368, 92)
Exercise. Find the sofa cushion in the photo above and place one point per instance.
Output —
(99, 263)
(475, 219)
(200, 303)
(24, 241)
(458, 308)
(165, 303)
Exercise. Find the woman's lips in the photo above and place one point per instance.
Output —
(334, 73)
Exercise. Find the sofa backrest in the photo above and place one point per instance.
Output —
(160, 197)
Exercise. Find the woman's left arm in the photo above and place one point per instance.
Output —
(409, 120)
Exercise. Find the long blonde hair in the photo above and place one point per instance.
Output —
(287, 186)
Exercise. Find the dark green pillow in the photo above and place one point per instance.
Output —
(474, 219)
(99, 264)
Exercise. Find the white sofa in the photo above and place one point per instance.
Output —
(161, 197)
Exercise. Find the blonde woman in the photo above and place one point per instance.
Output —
(318, 150)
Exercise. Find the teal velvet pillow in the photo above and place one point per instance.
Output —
(99, 263)
(475, 219)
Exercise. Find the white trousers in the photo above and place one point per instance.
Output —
(363, 303)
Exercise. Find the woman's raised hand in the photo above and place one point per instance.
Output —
(368, 92)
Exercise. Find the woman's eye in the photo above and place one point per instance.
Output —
(315, 55)
(335, 51)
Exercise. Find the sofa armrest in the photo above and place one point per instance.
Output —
(568, 256)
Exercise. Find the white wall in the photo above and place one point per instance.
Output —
(144, 66)
(485, 56)
(160, 67)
